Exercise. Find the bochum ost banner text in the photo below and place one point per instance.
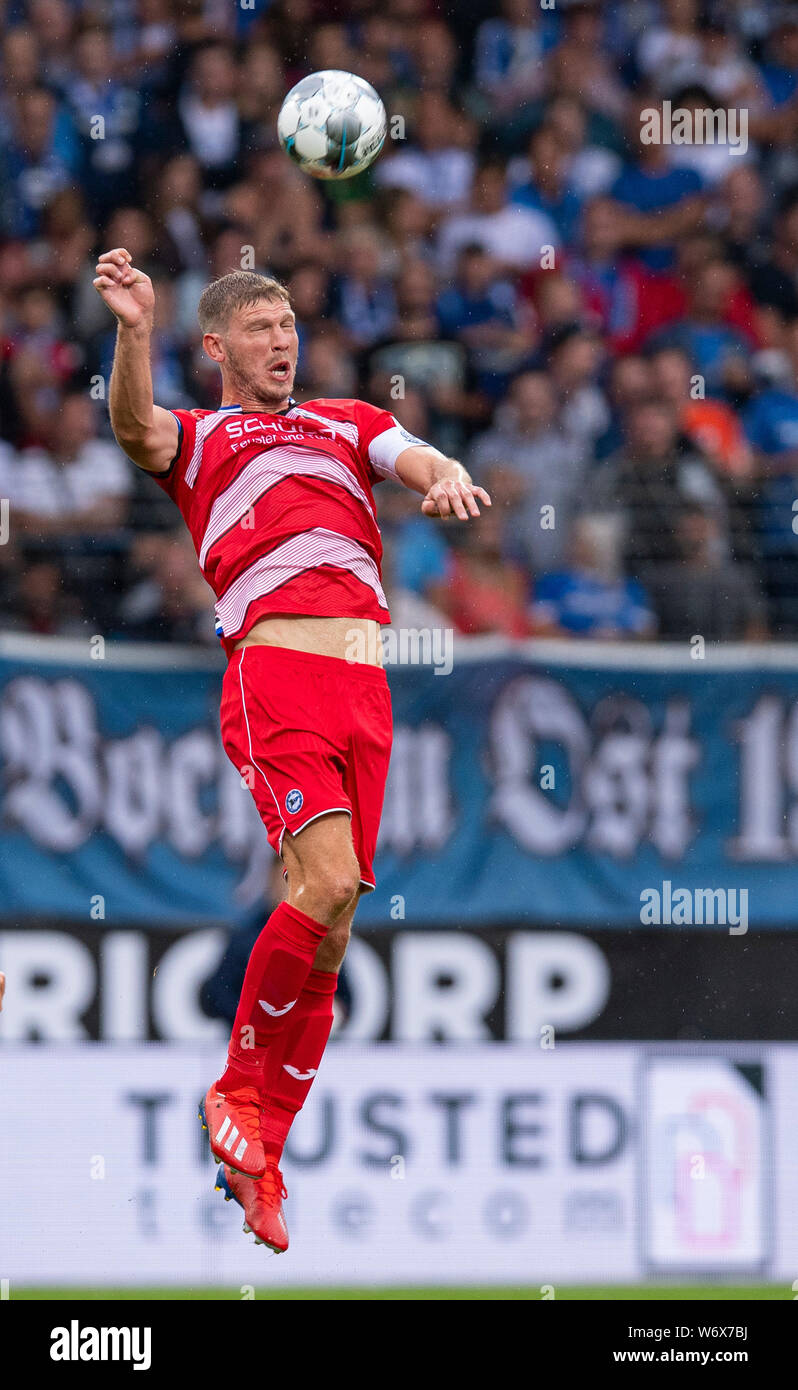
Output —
(550, 783)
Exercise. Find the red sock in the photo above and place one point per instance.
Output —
(276, 973)
(300, 1048)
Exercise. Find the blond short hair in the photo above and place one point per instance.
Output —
(219, 300)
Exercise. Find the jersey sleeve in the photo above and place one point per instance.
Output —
(381, 439)
(187, 423)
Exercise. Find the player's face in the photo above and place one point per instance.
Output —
(260, 351)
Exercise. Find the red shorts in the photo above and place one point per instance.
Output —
(310, 734)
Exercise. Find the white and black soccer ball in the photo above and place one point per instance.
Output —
(332, 124)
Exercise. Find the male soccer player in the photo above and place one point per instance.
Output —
(278, 500)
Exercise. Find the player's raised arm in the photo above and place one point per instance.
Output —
(147, 433)
(447, 488)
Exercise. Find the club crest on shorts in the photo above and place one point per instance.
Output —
(294, 801)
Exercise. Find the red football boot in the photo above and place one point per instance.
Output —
(232, 1120)
(261, 1200)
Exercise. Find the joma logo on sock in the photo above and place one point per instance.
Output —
(273, 1009)
(679, 907)
(76, 1343)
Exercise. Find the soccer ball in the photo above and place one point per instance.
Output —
(332, 124)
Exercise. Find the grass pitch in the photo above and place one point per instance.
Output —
(723, 1293)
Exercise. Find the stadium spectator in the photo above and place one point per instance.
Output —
(721, 67)
(484, 591)
(78, 484)
(439, 167)
(366, 301)
(780, 68)
(209, 116)
(629, 382)
(131, 227)
(590, 169)
(590, 597)
(39, 330)
(169, 602)
(514, 233)
(261, 89)
(55, 24)
(710, 424)
(384, 54)
(326, 369)
(557, 301)
(482, 310)
(40, 601)
(574, 362)
(108, 118)
(64, 245)
(404, 223)
(701, 591)
(508, 67)
(705, 333)
(435, 57)
(771, 268)
(648, 183)
(771, 424)
(547, 190)
(579, 64)
(179, 216)
(40, 158)
(671, 49)
(708, 159)
(21, 57)
(647, 483)
(530, 463)
(627, 299)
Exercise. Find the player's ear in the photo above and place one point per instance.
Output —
(214, 347)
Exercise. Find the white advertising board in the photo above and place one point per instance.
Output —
(411, 1164)
(485, 1162)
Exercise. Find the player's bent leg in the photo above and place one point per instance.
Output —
(276, 975)
(294, 1059)
(322, 867)
(292, 1063)
(323, 886)
(331, 951)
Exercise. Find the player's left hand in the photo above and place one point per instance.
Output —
(450, 498)
(2, 989)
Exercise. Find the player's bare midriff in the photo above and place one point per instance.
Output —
(351, 639)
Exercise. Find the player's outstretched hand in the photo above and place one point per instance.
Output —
(450, 498)
(127, 292)
(2, 989)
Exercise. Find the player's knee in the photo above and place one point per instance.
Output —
(338, 887)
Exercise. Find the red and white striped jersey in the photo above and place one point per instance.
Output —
(280, 507)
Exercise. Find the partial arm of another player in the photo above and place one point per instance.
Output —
(446, 486)
(148, 434)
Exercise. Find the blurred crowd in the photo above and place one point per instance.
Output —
(604, 331)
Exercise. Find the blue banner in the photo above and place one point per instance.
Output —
(552, 783)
